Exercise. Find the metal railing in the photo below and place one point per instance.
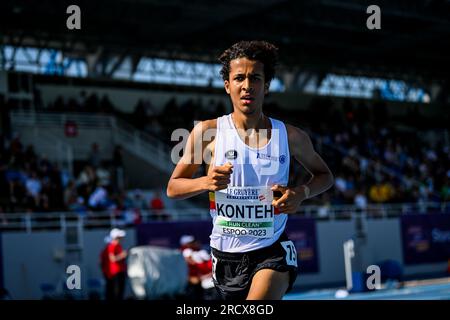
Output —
(50, 119)
(134, 141)
(34, 221)
(373, 210)
(142, 144)
(47, 143)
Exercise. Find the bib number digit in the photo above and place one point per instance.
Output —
(214, 265)
(291, 253)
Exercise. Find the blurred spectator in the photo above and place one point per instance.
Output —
(361, 199)
(113, 264)
(86, 176)
(119, 177)
(34, 187)
(83, 103)
(340, 184)
(31, 157)
(79, 206)
(381, 192)
(105, 105)
(94, 156)
(99, 200)
(82, 98)
(139, 202)
(324, 209)
(59, 104)
(125, 211)
(199, 265)
(70, 194)
(92, 103)
(157, 207)
(16, 179)
(103, 175)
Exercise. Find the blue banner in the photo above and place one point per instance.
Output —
(301, 231)
(168, 234)
(425, 238)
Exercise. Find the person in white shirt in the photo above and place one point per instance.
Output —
(247, 157)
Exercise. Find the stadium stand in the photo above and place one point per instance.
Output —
(87, 123)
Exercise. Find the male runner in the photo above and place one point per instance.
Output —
(249, 163)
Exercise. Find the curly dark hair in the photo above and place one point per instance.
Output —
(262, 51)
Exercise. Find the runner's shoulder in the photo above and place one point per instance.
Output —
(295, 134)
(210, 124)
(205, 125)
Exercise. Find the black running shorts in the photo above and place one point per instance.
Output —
(233, 272)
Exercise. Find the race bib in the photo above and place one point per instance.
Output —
(243, 211)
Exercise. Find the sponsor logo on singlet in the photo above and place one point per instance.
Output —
(263, 156)
(231, 154)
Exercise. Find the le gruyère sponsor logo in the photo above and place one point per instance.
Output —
(242, 193)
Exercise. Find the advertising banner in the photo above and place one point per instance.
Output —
(425, 238)
(301, 231)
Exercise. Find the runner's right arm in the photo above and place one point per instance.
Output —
(181, 184)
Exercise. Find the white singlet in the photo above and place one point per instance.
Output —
(243, 217)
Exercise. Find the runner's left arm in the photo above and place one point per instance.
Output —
(302, 149)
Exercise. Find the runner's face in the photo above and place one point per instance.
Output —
(246, 85)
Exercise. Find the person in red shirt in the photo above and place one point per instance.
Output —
(114, 267)
(104, 259)
(199, 265)
(157, 206)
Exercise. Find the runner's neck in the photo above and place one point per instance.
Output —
(256, 122)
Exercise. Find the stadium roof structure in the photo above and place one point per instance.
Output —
(325, 35)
